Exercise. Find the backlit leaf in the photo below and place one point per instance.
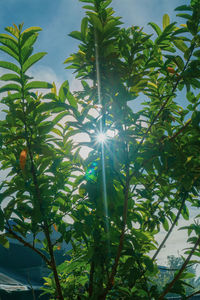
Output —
(166, 21)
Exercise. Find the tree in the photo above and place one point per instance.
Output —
(139, 180)
(166, 275)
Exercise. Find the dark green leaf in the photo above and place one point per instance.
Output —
(183, 8)
(76, 35)
(1, 220)
(156, 28)
(4, 241)
(179, 62)
(185, 16)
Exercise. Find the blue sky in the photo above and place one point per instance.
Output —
(58, 18)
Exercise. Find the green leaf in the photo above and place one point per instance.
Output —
(95, 21)
(13, 97)
(179, 62)
(64, 89)
(9, 66)
(165, 224)
(72, 100)
(9, 51)
(13, 30)
(87, 1)
(89, 7)
(25, 53)
(191, 97)
(38, 85)
(51, 96)
(1, 220)
(156, 28)
(185, 213)
(76, 35)
(84, 25)
(32, 60)
(3, 241)
(197, 53)
(29, 42)
(183, 8)
(166, 20)
(10, 42)
(149, 264)
(180, 45)
(10, 87)
(185, 16)
(10, 77)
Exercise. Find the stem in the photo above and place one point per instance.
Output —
(91, 279)
(181, 129)
(171, 284)
(52, 262)
(193, 294)
(170, 230)
(26, 244)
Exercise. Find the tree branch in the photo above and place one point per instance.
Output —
(170, 230)
(26, 244)
(193, 294)
(171, 284)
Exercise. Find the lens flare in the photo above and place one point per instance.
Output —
(101, 138)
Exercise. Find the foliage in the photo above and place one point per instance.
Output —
(166, 274)
(129, 188)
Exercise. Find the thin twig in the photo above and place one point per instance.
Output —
(171, 284)
(170, 230)
(26, 244)
(193, 294)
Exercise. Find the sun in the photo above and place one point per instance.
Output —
(101, 137)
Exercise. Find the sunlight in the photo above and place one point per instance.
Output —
(101, 137)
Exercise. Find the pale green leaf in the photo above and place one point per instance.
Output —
(38, 85)
(166, 21)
